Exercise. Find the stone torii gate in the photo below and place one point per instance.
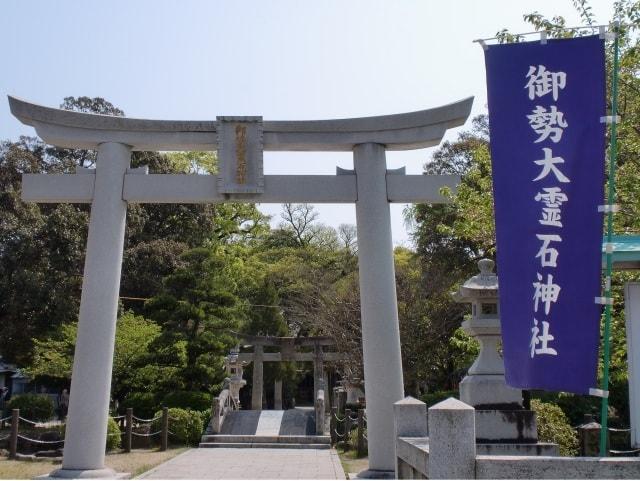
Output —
(287, 347)
(240, 142)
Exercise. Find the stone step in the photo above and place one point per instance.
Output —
(271, 439)
(265, 445)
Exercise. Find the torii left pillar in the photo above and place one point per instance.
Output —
(86, 430)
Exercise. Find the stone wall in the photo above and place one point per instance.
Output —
(450, 450)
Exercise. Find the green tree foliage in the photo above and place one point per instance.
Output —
(449, 239)
(41, 253)
(133, 368)
(42, 245)
(197, 309)
(554, 427)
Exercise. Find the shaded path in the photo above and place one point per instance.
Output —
(239, 463)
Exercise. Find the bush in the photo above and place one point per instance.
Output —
(435, 397)
(574, 406)
(144, 404)
(554, 427)
(185, 424)
(353, 441)
(196, 400)
(35, 407)
(113, 434)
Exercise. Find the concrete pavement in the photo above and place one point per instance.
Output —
(239, 463)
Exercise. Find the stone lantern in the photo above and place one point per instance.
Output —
(502, 425)
(484, 384)
(235, 371)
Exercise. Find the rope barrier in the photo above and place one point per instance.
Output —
(338, 419)
(6, 437)
(24, 438)
(338, 434)
(146, 420)
(626, 453)
(115, 434)
(619, 430)
(146, 435)
(353, 419)
(115, 418)
(5, 419)
(27, 420)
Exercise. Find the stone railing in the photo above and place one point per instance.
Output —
(220, 407)
(448, 450)
(319, 405)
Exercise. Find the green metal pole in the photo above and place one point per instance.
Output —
(611, 194)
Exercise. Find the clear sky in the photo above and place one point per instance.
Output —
(284, 60)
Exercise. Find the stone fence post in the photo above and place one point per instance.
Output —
(13, 439)
(589, 436)
(452, 440)
(410, 421)
(360, 444)
(164, 439)
(128, 430)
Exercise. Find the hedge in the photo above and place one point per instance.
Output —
(35, 407)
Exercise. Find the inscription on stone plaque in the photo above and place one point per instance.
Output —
(240, 155)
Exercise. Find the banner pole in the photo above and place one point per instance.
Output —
(611, 193)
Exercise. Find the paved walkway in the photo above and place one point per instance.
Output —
(256, 463)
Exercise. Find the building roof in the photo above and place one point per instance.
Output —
(626, 252)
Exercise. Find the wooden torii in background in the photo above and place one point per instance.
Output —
(240, 142)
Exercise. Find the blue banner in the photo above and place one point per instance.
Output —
(547, 146)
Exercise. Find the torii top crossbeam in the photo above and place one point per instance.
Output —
(239, 142)
(413, 130)
(80, 130)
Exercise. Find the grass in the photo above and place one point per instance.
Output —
(136, 462)
(351, 463)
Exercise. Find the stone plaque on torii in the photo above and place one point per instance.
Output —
(240, 141)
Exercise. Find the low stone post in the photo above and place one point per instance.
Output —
(452, 440)
(165, 429)
(13, 439)
(360, 446)
(332, 425)
(277, 394)
(128, 430)
(589, 436)
(215, 415)
(410, 421)
(347, 429)
(320, 413)
(341, 399)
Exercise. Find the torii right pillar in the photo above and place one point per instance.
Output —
(379, 307)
